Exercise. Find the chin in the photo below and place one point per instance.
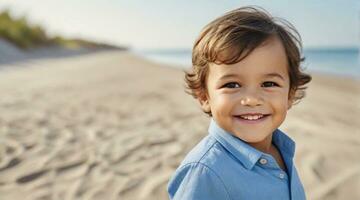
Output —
(253, 139)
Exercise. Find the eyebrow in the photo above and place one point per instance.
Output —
(265, 75)
(274, 75)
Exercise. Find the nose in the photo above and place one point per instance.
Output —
(251, 98)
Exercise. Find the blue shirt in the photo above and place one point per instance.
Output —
(223, 167)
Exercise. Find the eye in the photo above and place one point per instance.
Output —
(270, 84)
(231, 85)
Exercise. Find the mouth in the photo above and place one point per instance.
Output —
(251, 119)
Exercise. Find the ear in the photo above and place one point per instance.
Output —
(204, 102)
(289, 104)
(290, 100)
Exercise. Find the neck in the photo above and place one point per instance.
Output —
(264, 146)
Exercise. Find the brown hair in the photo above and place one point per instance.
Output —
(233, 36)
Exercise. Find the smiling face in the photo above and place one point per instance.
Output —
(257, 86)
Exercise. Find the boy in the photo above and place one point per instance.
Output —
(246, 75)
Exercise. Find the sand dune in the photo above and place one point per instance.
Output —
(111, 125)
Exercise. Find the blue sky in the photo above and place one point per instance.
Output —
(176, 23)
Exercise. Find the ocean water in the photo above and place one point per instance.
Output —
(338, 61)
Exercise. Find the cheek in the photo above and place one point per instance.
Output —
(278, 99)
(281, 102)
(222, 103)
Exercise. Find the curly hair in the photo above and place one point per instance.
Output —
(233, 36)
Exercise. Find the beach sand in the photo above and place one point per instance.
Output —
(112, 125)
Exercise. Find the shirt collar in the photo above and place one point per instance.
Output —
(247, 154)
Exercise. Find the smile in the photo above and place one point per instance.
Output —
(251, 118)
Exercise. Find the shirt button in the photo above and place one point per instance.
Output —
(281, 175)
(263, 161)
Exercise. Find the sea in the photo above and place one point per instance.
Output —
(335, 61)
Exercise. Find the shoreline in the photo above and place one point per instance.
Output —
(318, 59)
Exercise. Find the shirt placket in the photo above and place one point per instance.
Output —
(269, 163)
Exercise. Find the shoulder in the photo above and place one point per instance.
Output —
(197, 181)
(198, 175)
(207, 152)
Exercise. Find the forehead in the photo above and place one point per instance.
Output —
(270, 57)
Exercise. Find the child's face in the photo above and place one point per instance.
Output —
(245, 87)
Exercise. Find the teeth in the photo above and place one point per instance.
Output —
(251, 117)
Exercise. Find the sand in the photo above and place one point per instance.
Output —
(112, 125)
